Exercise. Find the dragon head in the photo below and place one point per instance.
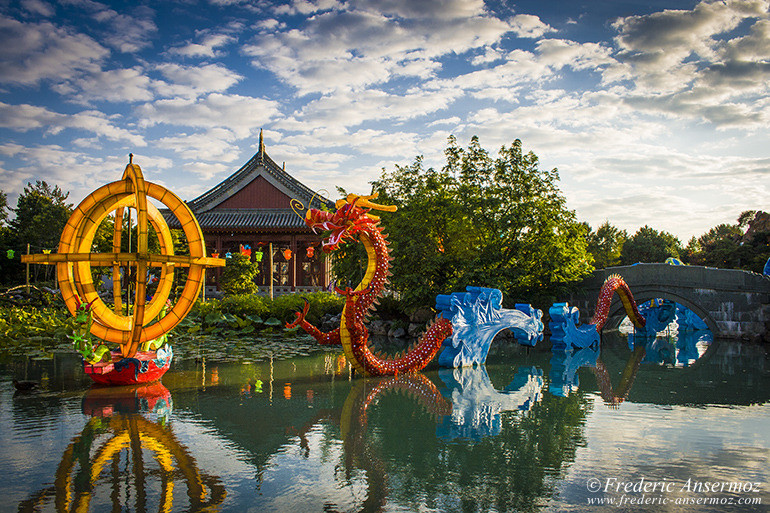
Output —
(83, 311)
(351, 215)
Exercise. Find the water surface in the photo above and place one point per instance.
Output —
(283, 426)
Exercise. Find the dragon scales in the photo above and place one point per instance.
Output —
(352, 220)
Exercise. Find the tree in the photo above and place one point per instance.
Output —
(481, 221)
(239, 274)
(743, 245)
(3, 208)
(41, 213)
(650, 246)
(606, 245)
(720, 247)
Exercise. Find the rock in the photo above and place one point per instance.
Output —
(378, 327)
(422, 315)
(415, 329)
(398, 332)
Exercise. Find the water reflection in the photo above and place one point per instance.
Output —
(563, 376)
(108, 462)
(476, 405)
(681, 350)
(303, 434)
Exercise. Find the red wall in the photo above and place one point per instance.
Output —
(258, 194)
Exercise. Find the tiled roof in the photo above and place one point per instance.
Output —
(260, 163)
(250, 219)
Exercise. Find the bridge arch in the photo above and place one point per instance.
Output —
(733, 303)
(617, 313)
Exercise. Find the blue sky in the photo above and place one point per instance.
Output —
(654, 112)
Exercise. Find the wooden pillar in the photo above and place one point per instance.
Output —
(218, 271)
(293, 263)
(28, 270)
(270, 263)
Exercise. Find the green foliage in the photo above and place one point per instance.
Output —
(3, 208)
(606, 244)
(744, 245)
(650, 246)
(247, 313)
(246, 304)
(239, 275)
(22, 323)
(499, 222)
(719, 247)
(41, 213)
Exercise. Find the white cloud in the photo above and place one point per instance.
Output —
(119, 85)
(356, 48)
(690, 64)
(33, 52)
(216, 144)
(559, 53)
(192, 81)
(435, 9)
(241, 114)
(346, 109)
(39, 7)
(23, 118)
(527, 25)
(208, 47)
(126, 32)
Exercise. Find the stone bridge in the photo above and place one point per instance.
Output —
(733, 303)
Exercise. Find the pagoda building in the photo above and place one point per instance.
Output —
(250, 212)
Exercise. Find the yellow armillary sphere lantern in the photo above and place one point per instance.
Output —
(74, 259)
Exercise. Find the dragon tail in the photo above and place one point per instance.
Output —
(415, 359)
(331, 338)
(616, 283)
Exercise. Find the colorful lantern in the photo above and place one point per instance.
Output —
(246, 250)
(228, 255)
(258, 256)
(215, 254)
(310, 251)
(287, 254)
(10, 254)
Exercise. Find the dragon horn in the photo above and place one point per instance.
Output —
(363, 201)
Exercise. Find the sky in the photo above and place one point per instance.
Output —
(655, 113)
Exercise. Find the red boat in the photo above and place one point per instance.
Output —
(144, 367)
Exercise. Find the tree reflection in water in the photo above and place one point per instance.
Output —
(510, 467)
(106, 463)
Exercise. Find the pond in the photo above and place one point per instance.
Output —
(282, 426)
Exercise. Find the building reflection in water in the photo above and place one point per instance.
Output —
(128, 457)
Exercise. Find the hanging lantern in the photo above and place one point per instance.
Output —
(258, 256)
(46, 251)
(287, 254)
(246, 250)
(310, 251)
(10, 254)
(215, 254)
(228, 255)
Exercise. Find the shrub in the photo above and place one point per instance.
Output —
(245, 304)
(239, 274)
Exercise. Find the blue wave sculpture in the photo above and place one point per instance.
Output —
(477, 316)
(687, 320)
(659, 314)
(564, 366)
(476, 404)
(565, 332)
